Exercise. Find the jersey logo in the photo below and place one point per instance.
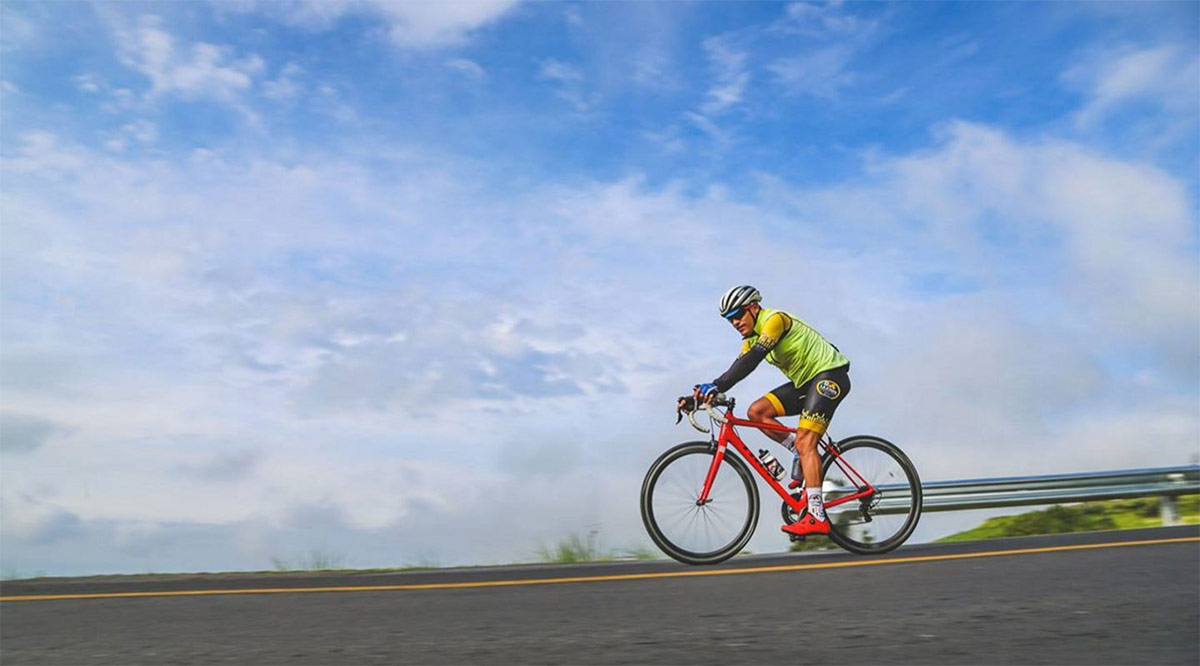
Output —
(829, 389)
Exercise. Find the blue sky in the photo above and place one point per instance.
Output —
(294, 276)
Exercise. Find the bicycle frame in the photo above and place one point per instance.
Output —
(729, 437)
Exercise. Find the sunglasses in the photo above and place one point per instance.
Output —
(736, 314)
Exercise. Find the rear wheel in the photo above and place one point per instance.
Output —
(884, 520)
(694, 532)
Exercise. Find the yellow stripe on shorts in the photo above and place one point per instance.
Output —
(813, 425)
(775, 403)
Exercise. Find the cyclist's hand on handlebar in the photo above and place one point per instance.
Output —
(700, 398)
(702, 394)
(705, 392)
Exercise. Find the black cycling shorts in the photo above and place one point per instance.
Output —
(815, 401)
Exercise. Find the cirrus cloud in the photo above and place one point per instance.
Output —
(1165, 76)
(199, 70)
(408, 25)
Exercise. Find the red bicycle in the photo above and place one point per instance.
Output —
(700, 506)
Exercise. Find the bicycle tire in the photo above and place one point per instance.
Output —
(686, 465)
(849, 528)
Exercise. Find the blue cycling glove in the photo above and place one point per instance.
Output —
(707, 389)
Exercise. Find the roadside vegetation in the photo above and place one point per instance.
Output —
(316, 560)
(574, 549)
(813, 542)
(1086, 517)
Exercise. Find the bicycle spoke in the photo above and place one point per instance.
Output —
(725, 520)
(679, 513)
(684, 490)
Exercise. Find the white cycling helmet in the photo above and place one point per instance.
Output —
(738, 297)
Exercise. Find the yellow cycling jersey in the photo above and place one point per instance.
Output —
(793, 346)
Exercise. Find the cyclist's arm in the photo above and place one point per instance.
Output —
(753, 354)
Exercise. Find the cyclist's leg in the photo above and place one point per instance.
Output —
(768, 408)
(821, 395)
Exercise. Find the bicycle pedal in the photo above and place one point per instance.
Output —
(796, 538)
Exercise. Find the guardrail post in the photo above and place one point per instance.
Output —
(1168, 511)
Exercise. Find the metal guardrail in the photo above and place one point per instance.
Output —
(1164, 482)
(1059, 488)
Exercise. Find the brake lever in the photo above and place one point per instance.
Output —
(685, 403)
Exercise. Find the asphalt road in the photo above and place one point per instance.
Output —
(1068, 599)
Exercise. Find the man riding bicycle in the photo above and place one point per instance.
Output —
(819, 379)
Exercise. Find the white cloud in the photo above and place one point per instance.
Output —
(113, 100)
(821, 73)
(286, 86)
(432, 24)
(1122, 225)
(87, 83)
(468, 68)
(569, 80)
(729, 69)
(43, 154)
(408, 25)
(653, 70)
(329, 101)
(667, 140)
(310, 14)
(1167, 77)
(823, 20)
(895, 96)
(197, 72)
(720, 136)
(141, 132)
(555, 70)
(828, 37)
(20, 32)
(572, 17)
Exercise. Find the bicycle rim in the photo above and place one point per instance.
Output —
(883, 521)
(690, 532)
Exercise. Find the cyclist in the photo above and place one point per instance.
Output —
(818, 377)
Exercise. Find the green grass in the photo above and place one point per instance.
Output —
(1086, 517)
(637, 553)
(571, 550)
(318, 559)
(575, 549)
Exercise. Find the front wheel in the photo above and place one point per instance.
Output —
(882, 521)
(694, 532)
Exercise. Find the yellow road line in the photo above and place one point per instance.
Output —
(594, 579)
